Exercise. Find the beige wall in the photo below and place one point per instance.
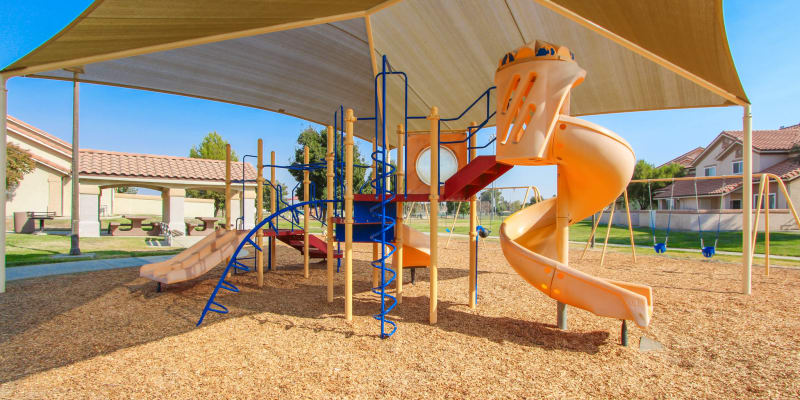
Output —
(32, 192)
(135, 204)
(779, 220)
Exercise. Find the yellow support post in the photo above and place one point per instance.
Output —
(329, 213)
(260, 213)
(766, 227)
(398, 228)
(758, 213)
(630, 225)
(434, 214)
(273, 201)
(348, 214)
(306, 214)
(608, 232)
(473, 231)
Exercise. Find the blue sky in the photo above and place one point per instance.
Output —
(762, 37)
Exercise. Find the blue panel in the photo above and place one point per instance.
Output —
(370, 211)
(362, 233)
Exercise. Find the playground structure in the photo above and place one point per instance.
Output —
(706, 248)
(533, 86)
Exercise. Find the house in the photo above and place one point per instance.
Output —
(49, 186)
(774, 151)
(685, 160)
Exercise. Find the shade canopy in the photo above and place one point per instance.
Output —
(307, 57)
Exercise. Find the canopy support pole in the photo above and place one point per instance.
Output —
(747, 198)
(74, 247)
(4, 133)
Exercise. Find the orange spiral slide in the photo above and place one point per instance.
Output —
(594, 167)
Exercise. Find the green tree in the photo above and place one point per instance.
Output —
(317, 142)
(639, 193)
(452, 206)
(211, 148)
(19, 163)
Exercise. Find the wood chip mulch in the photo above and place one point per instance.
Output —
(108, 334)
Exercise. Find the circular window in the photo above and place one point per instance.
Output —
(448, 164)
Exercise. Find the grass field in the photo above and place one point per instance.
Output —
(781, 243)
(22, 249)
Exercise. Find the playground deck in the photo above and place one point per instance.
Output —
(109, 334)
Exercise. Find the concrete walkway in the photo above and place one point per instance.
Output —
(71, 267)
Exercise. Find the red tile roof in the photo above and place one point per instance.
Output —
(685, 160)
(787, 170)
(771, 140)
(116, 164)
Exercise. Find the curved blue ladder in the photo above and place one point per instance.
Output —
(236, 264)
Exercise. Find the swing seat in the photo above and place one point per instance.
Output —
(660, 248)
(709, 251)
(482, 232)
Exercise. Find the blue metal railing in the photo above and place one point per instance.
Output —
(236, 264)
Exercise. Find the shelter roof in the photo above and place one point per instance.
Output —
(307, 57)
(115, 164)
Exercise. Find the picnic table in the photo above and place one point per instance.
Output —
(135, 225)
(41, 216)
(208, 226)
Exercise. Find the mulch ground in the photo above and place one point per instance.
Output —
(108, 334)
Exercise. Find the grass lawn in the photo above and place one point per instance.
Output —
(781, 243)
(22, 249)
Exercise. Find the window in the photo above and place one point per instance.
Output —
(772, 201)
(711, 170)
(736, 204)
(737, 167)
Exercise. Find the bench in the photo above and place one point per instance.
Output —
(113, 227)
(190, 228)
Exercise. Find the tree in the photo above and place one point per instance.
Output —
(452, 206)
(317, 142)
(19, 163)
(211, 148)
(639, 193)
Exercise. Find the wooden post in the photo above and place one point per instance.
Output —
(348, 215)
(434, 214)
(306, 214)
(766, 226)
(260, 213)
(630, 225)
(562, 238)
(608, 232)
(228, 187)
(398, 228)
(473, 233)
(329, 213)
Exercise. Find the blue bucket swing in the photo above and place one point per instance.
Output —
(661, 247)
(708, 251)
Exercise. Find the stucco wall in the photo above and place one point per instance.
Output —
(140, 204)
(32, 193)
(780, 219)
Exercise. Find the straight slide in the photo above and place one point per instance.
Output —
(196, 260)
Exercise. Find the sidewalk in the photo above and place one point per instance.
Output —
(71, 267)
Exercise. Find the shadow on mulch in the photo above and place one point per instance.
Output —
(60, 320)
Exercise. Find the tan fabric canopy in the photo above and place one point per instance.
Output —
(307, 57)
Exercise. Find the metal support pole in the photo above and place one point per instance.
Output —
(562, 238)
(3, 196)
(273, 200)
(623, 335)
(747, 199)
(74, 247)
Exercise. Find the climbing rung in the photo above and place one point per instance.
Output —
(241, 267)
(254, 244)
(222, 309)
(228, 286)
